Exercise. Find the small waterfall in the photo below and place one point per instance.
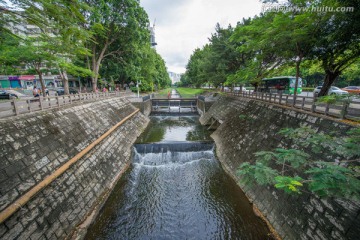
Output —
(171, 155)
(174, 147)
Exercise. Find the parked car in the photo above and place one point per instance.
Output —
(7, 95)
(238, 88)
(352, 89)
(61, 91)
(332, 91)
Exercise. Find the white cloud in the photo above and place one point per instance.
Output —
(184, 25)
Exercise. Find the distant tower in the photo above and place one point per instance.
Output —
(152, 35)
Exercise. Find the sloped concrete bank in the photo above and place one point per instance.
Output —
(34, 145)
(238, 138)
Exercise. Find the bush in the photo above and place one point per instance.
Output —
(308, 89)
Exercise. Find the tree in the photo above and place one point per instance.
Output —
(32, 52)
(351, 75)
(338, 44)
(60, 37)
(116, 25)
(223, 60)
(293, 34)
(261, 55)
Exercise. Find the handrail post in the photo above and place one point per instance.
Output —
(57, 101)
(313, 105)
(16, 110)
(29, 105)
(41, 103)
(303, 103)
(294, 100)
(327, 109)
(344, 110)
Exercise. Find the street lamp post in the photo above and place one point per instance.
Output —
(137, 85)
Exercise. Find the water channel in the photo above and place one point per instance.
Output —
(176, 189)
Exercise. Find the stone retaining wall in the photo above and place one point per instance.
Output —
(145, 107)
(293, 217)
(34, 145)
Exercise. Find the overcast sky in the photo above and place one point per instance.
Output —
(183, 25)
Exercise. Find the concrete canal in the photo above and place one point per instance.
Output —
(176, 189)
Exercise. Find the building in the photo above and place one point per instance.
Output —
(29, 81)
(152, 36)
(26, 30)
(175, 77)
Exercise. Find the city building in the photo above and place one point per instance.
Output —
(175, 77)
(29, 81)
(152, 36)
(25, 30)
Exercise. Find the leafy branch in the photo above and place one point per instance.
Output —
(292, 170)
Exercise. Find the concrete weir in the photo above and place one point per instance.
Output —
(35, 203)
(237, 138)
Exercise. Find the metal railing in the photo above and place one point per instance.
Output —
(347, 109)
(21, 106)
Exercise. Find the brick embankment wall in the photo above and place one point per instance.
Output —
(34, 145)
(293, 217)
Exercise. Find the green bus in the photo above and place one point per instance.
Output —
(284, 84)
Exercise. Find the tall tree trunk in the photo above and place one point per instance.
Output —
(38, 71)
(94, 79)
(93, 64)
(256, 86)
(330, 78)
(298, 62)
(65, 80)
(96, 63)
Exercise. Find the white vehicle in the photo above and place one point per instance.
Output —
(238, 88)
(332, 91)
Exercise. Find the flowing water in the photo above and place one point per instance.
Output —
(176, 189)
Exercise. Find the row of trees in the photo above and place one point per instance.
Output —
(319, 46)
(97, 39)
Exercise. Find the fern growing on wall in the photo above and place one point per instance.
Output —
(321, 163)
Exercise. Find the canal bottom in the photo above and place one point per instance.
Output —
(176, 189)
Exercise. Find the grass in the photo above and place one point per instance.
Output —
(184, 92)
(163, 93)
(189, 92)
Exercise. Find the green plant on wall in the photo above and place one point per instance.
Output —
(246, 117)
(303, 169)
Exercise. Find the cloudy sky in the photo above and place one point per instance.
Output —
(183, 25)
